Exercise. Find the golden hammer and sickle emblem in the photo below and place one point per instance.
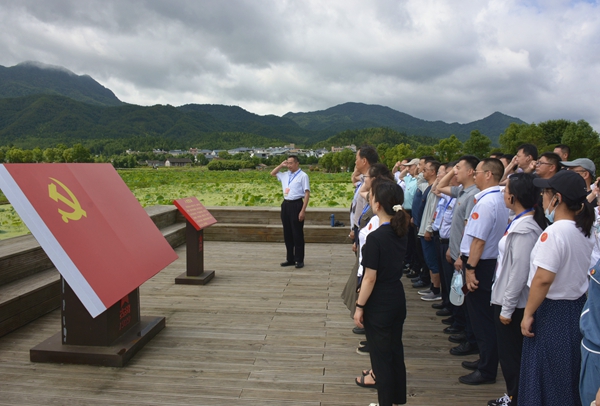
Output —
(71, 201)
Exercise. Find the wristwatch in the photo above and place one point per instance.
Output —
(469, 266)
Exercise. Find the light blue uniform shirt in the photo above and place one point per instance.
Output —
(487, 222)
(411, 188)
(293, 184)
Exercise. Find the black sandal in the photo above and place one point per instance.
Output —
(366, 372)
(361, 381)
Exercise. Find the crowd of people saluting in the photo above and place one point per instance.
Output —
(508, 248)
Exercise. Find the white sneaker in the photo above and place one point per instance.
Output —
(503, 401)
(431, 297)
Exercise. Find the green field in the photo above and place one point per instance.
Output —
(212, 188)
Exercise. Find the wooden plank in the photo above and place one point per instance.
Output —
(257, 334)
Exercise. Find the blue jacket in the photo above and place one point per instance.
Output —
(589, 323)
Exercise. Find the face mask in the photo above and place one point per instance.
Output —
(550, 216)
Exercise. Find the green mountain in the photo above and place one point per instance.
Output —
(45, 120)
(29, 78)
(354, 116)
(42, 105)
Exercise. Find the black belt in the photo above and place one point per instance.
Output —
(444, 241)
(290, 201)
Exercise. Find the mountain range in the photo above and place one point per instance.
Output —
(46, 104)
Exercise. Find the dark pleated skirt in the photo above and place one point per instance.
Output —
(551, 360)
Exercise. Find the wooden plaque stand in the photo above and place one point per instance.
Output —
(195, 274)
(111, 339)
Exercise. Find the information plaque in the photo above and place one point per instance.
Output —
(197, 219)
(195, 212)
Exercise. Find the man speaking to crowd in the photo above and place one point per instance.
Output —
(296, 192)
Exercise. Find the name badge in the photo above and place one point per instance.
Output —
(286, 192)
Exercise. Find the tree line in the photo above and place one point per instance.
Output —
(579, 136)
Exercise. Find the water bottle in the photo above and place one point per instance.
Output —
(332, 218)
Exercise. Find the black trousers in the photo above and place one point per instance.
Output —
(510, 346)
(293, 230)
(481, 317)
(383, 329)
(419, 264)
(410, 250)
(446, 271)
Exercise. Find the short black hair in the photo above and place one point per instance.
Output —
(529, 149)
(565, 148)
(294, 157)
(380, 170)
(427, 158)
(434, 163)
(471, 160)
(495, 166)
(552, 158)
(508, 157)
(369, 153)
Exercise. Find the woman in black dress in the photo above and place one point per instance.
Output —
(381, 304)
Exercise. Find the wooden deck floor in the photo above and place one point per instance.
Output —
(257, 334)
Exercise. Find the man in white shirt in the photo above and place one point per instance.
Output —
(479, 252)
(296, 192)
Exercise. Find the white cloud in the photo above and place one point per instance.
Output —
(446, 60)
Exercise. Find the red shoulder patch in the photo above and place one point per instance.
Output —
(475, 216)
(544, 237)
(370, 226)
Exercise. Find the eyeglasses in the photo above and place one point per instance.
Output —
(580, 171)
(538, 163)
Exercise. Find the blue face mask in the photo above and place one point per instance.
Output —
(550, 216)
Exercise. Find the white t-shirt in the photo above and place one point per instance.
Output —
(564, 250)
(371, 226)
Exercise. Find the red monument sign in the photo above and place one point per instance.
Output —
(98, 236)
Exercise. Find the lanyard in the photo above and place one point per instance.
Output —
(490, 192)
(363, 212)
(516, 218)
(291, 178)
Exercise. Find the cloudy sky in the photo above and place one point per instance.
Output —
(450, 60)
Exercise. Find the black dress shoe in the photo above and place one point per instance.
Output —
(412, 274)
(419, 284)
(417, 279)
(472, 365)
(358, 330)
(466, 348)
(439, 306)
(449, 321)
(288, 263)
(453, 330)
(475, 378)
(458, 338)
(299, 264)
(443, 313)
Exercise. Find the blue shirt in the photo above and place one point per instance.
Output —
(409, 194)
(487, 222)
(293, 184)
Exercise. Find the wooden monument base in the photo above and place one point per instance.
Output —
(202, 279)
(115, 355)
